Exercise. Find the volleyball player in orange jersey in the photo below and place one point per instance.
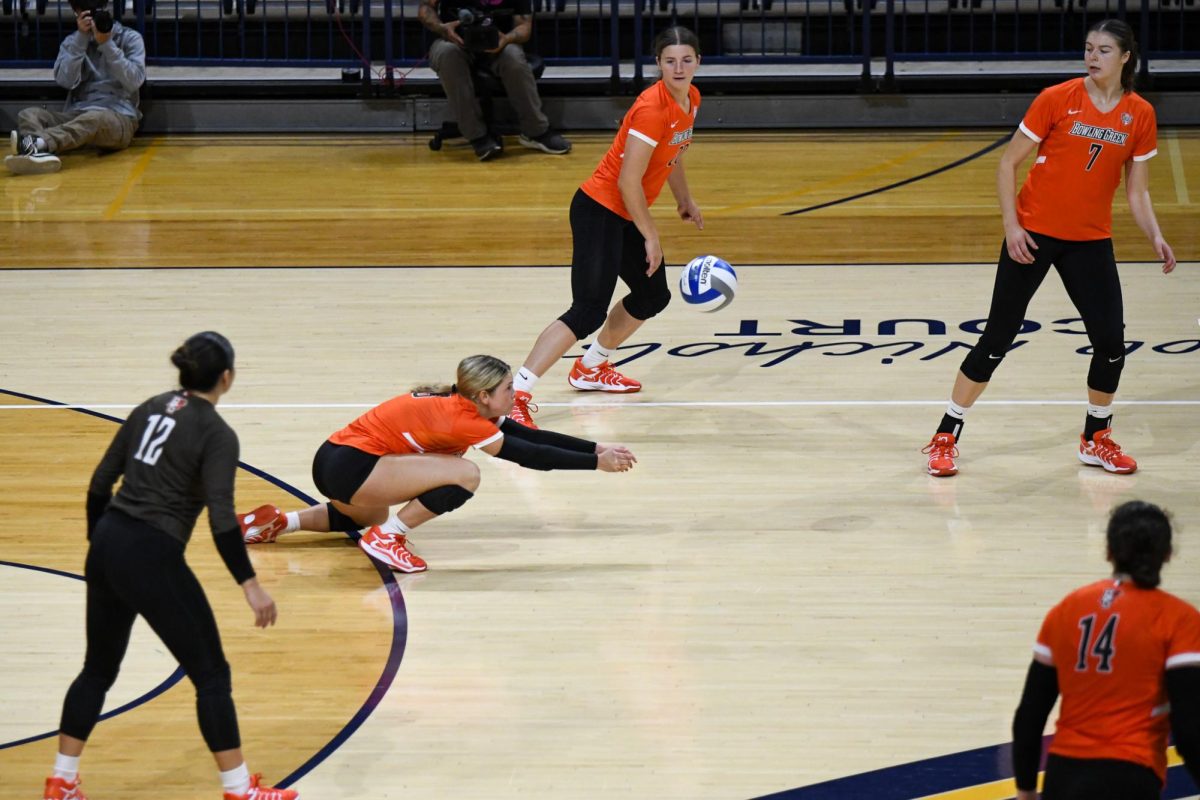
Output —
(1126, 657)
(408, 450)
(1086, 131)
(614, 234)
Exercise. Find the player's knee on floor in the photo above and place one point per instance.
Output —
(584, 320)
(644, 305)
(444, 499)
(339, 521)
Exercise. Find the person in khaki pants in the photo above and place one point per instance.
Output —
(102, 65)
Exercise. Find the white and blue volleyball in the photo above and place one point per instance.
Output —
(708, 283)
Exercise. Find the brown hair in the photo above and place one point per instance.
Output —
(676, 34)
(1121, 31)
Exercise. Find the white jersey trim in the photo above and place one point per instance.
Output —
(1183, 660)
(1147, 156)
(1042, 650)
(497, 435)
(408, 437)
(1158, 711)
(643, 137)
(1029, 133)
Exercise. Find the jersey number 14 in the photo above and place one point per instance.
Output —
(1102, 649)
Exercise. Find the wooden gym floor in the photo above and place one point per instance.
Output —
(777, 600)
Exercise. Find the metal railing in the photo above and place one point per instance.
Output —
(351, 33)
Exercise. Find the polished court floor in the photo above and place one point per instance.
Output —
(777, 600)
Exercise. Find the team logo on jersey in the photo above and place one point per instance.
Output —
(680, 137)
(1109, 597)
(1126, 118)
(177, 402)
(1096, 132)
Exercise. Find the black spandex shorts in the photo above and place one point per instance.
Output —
(1099, 779)
(340, 470)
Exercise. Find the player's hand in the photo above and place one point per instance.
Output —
(261, 603)
(1167, 255)
(83, 21)
(1020, 244)
(504, 42)
(654, 255)
(1027, 794)
(617, 458)
(450, 33)
(690, 212)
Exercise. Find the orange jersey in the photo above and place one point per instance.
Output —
(1081, 154)
(660, 122)
(419, 423)
(1110, 643)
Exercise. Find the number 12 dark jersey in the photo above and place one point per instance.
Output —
(177, 455)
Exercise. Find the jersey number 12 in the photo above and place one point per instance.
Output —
(158, 428)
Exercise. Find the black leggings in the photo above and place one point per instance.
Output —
(606, 247)
(1099, 779)
(134, 569)
(1089, 273)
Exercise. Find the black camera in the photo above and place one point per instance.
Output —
(102, 18)
(478, 30)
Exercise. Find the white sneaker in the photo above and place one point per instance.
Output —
(38, 163)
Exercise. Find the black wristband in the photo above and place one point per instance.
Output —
(233, 553)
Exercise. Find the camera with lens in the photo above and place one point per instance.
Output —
(102, 18)
(478, 30)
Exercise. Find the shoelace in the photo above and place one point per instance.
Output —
(936, 449)
(1106, 448)
(524, 407)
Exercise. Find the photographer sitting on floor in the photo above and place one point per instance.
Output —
(102, 64)
(490, 33)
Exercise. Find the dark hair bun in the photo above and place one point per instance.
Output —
(202, 359)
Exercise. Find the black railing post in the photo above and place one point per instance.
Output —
(615, 44)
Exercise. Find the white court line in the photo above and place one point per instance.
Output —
(1181, 189)
(634, 404)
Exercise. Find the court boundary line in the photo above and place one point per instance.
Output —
(395, 596)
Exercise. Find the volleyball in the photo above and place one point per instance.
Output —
(708, 283)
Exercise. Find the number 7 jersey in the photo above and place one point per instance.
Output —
(1081, 154)
(1110, 643)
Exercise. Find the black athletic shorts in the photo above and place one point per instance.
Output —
(340, 470)
(1099, 779)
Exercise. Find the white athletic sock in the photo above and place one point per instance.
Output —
(236, 780)
(524, 380)
(293, 521)
(394, 525)
(1099, 412)
(595, 355)
(955, 410)
(66, 767)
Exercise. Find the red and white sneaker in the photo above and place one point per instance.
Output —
(263, 524)
(260, 792)
(600, 379)
(391, 550)
(63, 789)
(1104, 452)
(523, 410)
(942, 452)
